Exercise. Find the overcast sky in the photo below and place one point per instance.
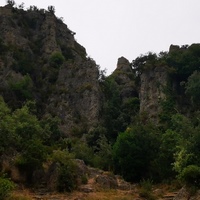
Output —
(109, 29)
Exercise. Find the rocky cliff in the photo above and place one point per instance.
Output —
(153, 83)
(40, 60)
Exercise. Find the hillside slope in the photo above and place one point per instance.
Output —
(57, 106)
(41, 60)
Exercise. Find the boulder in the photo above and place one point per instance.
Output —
(107, 181)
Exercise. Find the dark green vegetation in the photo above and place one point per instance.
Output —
(6, 186)
(125, 140)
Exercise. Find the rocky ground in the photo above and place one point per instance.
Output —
(103, 187)
(96, 191)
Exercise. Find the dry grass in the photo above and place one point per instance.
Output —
(99, 195)
(111, 195)
(20, 195)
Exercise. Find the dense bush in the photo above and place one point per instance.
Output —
(57, 59)
(134, 151)
(6, 187)
(23, 88)
(67, 180)
(191, 175)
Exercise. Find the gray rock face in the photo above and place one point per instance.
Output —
(124, 77)
(123, 64)
(185, 194)
(153, 82)
(70, 91)
(107, 182)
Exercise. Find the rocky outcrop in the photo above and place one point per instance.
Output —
(107, 182)
(187, 194)
(125, 78)
(76, 97)
(153, 82)
(94, 178)
(71, 90)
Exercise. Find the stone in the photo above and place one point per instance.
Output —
(185, 194)
(107, 181)
(123, 64)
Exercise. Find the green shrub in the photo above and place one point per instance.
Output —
(6, 187)
(24, 61)
(22, 88)
(191, 175)
(146, 184)
(84, 179)
(146, 189)
(67, 180)
(57, 59)
(146, 195)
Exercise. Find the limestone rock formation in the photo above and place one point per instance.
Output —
(67, 88)
(153, 82)
(124, 77)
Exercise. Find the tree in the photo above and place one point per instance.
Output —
(134, 151)
(57, 59)
(191, 175)
(168, 148)
(8, 137)
(6, 187)
(193, 87)
(51, 9)
(11, 2)
(104, 153)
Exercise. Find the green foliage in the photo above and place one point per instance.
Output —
(33, 156)
(67, 180)
(131, 106)
(146, 184)
(8, 137)
(134, 151)
(140, 150)
(23, 88)
(146, 189)
(191, 175)
(84, 152)
(168, 148)
(193, 87)
(57, 59)
(104, 150)
(51, 131)
(24, 61)
(67, 177)
(112, 109)
(139, 63)
(67, 52)
(84, 179)
(186, 146)
(185, 61)
(61, 156)
(6, 187)
(22, 132)
(27, 125)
